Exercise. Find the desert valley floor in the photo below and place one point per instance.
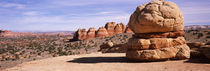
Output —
(107, 62)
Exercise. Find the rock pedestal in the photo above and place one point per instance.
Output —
(158, 28)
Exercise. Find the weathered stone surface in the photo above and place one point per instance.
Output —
(128, 30)
(77, 35)
(157, 16)
(102, 32)
(91, 33)
(110, 28)
(176, 52)
(83, 34)
(154, 43)
(118, 29)
(160, 35)
(123, 27)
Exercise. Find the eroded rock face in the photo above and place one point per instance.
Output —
(102, 32)
(154, 43)
(91, 33)
(175, 52)
(83, 34)
(123, 27)
(110, 28)
(118, 29)
(157, 16)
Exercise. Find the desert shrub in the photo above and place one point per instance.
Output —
(208, 33)
(200, 35)
(207, 36)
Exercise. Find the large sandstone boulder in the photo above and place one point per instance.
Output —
(110, 28)
(102, 32)
(118, 29)
(158, 28)
(157, 16)
(175, 52)
(91, 33)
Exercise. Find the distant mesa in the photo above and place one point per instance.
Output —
(110, 29)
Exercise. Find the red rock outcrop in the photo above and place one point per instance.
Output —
(118, 29)
(102, 32)
(110, 28)
(80, 34)
(123, 27)
(91, 33)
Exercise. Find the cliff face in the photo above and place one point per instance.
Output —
(110, 29)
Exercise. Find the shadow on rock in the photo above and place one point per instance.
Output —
(201, 60)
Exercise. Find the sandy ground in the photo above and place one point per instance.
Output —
(106, 62)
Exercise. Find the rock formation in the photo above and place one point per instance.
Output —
(118, 29)
(91, 33)
(80, 34)
(123, 27)
(110, 28)
(158, 28)
(157, 16)
(102, 32)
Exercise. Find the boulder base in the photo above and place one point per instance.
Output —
(176, 52)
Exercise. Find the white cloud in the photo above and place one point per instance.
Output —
(15, 5)
(31, 13)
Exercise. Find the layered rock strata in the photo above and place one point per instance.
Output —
(110, 28)
(91, 33)
(102, 32)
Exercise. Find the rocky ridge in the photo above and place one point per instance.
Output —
(109, 30)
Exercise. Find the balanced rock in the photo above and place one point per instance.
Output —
(102, 32)
(91, 33)
(157, 16)
(118, 29)
(158, 28)
(110, 28)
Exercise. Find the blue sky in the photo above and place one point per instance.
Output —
(69, 15)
